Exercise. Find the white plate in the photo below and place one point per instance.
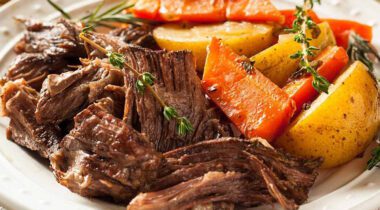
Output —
(27, 183)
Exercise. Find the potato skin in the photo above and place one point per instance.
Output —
(243, 37)
(338, 126)
(275, 62)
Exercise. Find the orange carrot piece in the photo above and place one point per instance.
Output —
(171, 10)
(301, 90)
(342, 29)
(204, 11)
(289, 17)
(253, 10)
(262, 11)
(208, 10)
(147, 9)
(235, 9)
(251, 101)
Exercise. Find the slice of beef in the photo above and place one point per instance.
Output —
(19, 103)
(140, 35)
(51, 39)
(213, 187)
(292, 176)
(104, 157)
(34, 68)
(179, 86)
(274, 175)
(64, 95)
(45, 49)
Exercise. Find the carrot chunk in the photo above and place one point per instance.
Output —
(171, 10)
(147, 9)
(204, 11)
(342, 29)
(253, 10)
(301, 90)
(251, 101)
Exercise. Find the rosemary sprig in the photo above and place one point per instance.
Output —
(96, 18)
(59, 9)
(362, 50)
(301, 25)
(144, 81)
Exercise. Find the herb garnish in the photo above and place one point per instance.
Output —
(95, 18)
(144, 81)
(362, 50)
(375, 158)
(59, 9)
(301, 25)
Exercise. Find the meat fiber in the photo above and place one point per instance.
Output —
(45, 49)
(140, 35)
(51, 39)
(19, 104)
(275, 175)
(179, 86)
(64, 95)
(103, 157)
(213, 187)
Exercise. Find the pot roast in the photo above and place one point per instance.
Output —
(105, 139)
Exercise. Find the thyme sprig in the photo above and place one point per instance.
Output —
(144, 82)
(301, 25)
(362, 50)
(106, 18)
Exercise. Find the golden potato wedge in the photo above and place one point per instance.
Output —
(339, 125)
(275, 62)
(243, 37)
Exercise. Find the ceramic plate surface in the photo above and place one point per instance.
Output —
(26, 182)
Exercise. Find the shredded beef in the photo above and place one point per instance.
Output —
(45, 49)
(64, 95)
(179, 86)
(104, 157)
(140, 35)
(19, 103)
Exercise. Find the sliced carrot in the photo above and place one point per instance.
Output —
(147, 9)
(235, 9)
(253, 10)
(262, 11)
(171, 10)
(250, 100)
(290, 17)
(342, 29)
(204, 11)
(301, 90)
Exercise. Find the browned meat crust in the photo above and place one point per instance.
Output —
(19, 103)
(102, 156)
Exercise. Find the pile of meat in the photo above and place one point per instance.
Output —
(106, 140)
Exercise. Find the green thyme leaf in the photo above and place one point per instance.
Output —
(116, 59)
(170, 113)
(140, 86)
(148, 78)
(184, 126)
(320, 84)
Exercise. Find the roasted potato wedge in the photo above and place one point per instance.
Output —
(339, 125)
(275, 62)
(243, 37)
